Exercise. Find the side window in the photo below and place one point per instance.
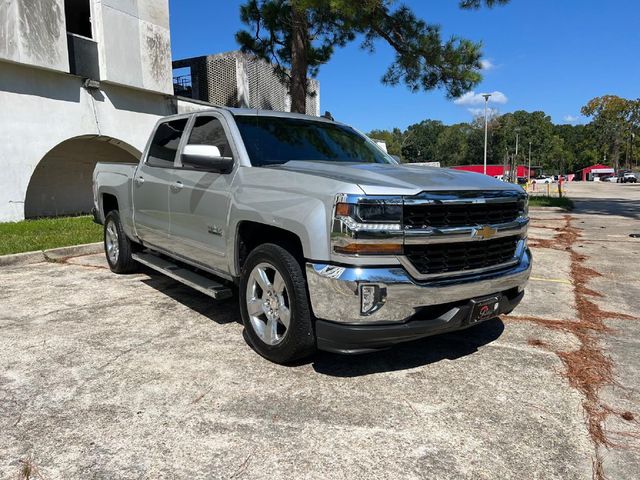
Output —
(164, 145)
(209, 131)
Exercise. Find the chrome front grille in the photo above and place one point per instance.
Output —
(432, 259)
(453, 234)
(460, 215)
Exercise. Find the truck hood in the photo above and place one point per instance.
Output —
(388, 179)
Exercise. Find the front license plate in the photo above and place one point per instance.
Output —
(484, 309)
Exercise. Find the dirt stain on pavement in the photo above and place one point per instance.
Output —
(587, 369)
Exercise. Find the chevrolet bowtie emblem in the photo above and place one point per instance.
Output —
(484, 233)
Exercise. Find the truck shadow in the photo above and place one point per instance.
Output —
(449, 346)
(219, 311)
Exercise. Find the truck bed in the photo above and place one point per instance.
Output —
(115, 179)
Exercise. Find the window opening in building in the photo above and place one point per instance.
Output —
(77, 14)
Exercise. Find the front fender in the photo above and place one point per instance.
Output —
(304, 216)
(300, 203)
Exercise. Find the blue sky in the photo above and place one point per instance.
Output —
(551, 55)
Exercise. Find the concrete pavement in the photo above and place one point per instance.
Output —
(107, 376)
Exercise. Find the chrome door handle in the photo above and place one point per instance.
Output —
(139, 180)
(177, 186)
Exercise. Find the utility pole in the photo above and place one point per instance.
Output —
(515, 160)
(529, 168)
(486, 128)
(630, 151)
(506, 178)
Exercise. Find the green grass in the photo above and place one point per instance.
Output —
(47, 233)
(542, 201)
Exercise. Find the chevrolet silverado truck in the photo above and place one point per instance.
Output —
(329, 242)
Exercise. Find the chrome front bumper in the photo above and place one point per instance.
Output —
(335, 290)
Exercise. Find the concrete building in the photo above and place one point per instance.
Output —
(595, 172)
(240, 80)
(81, 81)
(84, 81)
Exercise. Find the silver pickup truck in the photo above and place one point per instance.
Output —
(331, 243)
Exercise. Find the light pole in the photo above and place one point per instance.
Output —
(486, 123)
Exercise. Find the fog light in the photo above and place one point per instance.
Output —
(368, 298)
(372, 298)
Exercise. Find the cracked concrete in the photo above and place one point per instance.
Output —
(107, 376)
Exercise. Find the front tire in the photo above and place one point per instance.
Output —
(117, 246)
(275, 305)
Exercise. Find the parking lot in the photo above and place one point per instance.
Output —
(107, 376)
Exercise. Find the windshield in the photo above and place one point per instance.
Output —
(277, 140)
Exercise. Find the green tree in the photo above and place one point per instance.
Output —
(452, 145)
(615, 120)
(534, 127)
(475, 141)
(392, 138)
(556, 148)
(301, 35)
(580, 145)
(420, 141)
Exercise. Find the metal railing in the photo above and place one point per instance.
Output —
(182, 85)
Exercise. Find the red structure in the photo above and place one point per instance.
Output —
(493, 170)
(597, 170)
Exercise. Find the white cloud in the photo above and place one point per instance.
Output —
(487, 64)
(473, 98)
(571, 119)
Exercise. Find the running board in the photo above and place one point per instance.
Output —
(183, 275)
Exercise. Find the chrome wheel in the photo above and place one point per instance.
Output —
(111, 242)
(268, 304)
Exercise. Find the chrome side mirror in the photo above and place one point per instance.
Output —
(206, 158)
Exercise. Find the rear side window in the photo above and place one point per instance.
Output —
(164, 145)
(209, 131)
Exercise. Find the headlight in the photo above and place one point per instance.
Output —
(367, 225)
(376, 212)
(524, 211)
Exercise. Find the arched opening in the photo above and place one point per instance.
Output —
(61, 183)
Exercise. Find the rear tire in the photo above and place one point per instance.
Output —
(274, 305)
(117, 246)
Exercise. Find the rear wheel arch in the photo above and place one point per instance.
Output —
(109, 202)
(117, 246)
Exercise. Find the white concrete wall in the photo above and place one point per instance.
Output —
(134, 43)
(132, 36)
(34, 32)
(41, 109)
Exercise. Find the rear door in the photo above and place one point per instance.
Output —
(152, 182)
(199, 200)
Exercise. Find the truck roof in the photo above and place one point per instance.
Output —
(273, 113)
(255, 112)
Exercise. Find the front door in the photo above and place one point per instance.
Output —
(199, 200)
(152, 182)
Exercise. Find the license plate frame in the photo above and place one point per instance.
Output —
(483, 309)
